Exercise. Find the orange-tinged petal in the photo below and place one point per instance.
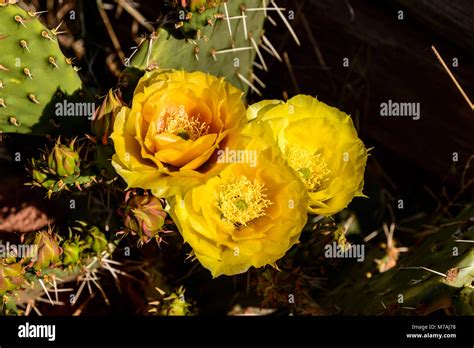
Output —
(167, 107)
(185, 151)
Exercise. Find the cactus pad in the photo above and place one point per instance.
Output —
(221, 40)
(34, 74)
(436, 275)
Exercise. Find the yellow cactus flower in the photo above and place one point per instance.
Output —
(248, 215)
(177, 121)
(320, 143)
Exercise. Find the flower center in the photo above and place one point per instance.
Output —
(181, 124)
(241, 201)
(312, 167)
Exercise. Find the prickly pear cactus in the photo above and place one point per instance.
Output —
(51, 261)
(218, 37)
(34, 74)
(436, 275)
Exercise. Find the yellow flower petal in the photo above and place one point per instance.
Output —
(167, 139)
(320, 143)
(233, 227)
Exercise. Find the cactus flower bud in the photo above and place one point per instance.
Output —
(71, 252)
(144, 215)
(96, 240)
(104, 117)
(48, 249)
(176, 304)
(39, 176)
(11, 277)
(64, 160)
(42, 179)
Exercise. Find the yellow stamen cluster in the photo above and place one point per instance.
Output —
(241, 201)
(179, 123)
(311, 166)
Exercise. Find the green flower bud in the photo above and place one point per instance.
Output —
(176, 305)
(64, 160)
(39, 176)
(48, 250)
(42, 179)
(104, 117)
(96, 240)
(71, 252)
(144, 215)
(11, 277)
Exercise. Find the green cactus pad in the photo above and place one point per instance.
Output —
(211, 47)
(34, 75)
(411, 287)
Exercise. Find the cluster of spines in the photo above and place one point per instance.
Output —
(26, 71)
(239, 37)
(57, 260)
(193, 15)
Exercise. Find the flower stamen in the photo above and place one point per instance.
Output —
(181, 124)
(241, 201)
(311, 166)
